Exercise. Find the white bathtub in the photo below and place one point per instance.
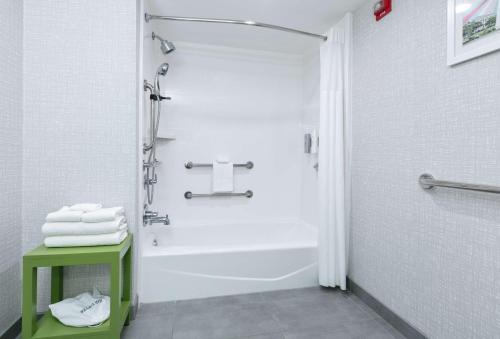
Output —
(187, 262)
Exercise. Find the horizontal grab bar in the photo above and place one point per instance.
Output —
(190, 195)
(190, 164)
(427, 182)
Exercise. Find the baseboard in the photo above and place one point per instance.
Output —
(13, 331)
(392, 318)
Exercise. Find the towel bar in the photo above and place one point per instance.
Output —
(190, 195)
(190, 164)
(427, 182)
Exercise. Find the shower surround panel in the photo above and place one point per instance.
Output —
(239, 104)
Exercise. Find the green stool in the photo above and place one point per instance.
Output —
(56, 259)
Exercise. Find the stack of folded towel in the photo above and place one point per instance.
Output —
(85, 225)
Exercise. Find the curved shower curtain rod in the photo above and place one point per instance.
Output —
(148, 17)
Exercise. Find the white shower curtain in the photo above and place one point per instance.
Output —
(334, 154)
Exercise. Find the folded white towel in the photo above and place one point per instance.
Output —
(86, 240)
(222, 176)
(64, 215)
(221, 159)
(104, 214)
(52, 229)
(87, 207)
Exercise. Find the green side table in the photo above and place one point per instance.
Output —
(119, 257)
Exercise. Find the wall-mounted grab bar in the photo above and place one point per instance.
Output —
(190, 195)
(427, 182)
(190, 164)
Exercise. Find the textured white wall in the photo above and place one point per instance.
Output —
(11, 104)
(433, 258)
(239, 103)
(80, 67)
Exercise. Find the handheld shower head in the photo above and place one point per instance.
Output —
(163, 69)
(166, 46)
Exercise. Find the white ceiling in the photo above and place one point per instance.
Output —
(315, 16)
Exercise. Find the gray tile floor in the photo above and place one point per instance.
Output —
(311, 313)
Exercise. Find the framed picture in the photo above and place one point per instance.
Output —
(473, 29)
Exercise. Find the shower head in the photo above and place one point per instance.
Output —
(166, 46)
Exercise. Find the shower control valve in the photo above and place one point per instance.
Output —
(149, 214)
(150, 220)
(150, 217)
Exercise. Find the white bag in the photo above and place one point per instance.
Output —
(83, 310)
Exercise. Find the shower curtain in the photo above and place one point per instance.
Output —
(334, 154)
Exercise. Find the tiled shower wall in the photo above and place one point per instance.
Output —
(11, 117)
(79, 115)
(433, 258)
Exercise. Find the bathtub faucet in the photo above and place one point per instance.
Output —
(150, 218)
(157, 220)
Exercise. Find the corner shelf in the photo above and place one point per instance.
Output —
(167, 137)
(167, 134)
